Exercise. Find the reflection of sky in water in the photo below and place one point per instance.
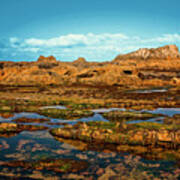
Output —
(104, 110)
(158, 119)
(165, 111)
(34, 145)
(96, 117)
(27, 145)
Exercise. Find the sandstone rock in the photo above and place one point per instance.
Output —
(107, 175)
(164, 135)
(82, 156)
(47, 59)
(176, 81)
(100, 171)
(8, 125)
(81, 63)
(80, 60)
(165, 52)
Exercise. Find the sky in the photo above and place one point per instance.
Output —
(98, 30)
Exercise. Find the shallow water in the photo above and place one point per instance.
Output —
(40, 144)
(157, 120)
(96, 117)
(165, 111)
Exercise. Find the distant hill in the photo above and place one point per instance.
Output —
(165, 52)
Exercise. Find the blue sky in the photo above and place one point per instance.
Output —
(97, 30)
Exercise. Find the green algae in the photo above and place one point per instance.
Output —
(65, 113)
(128, 115)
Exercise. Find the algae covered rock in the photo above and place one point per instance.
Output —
(128, 115)
(65, 113)
(10, 129)
(144, 134)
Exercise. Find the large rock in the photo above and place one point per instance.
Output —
(50, 59)
(80, 60)
(165, 52)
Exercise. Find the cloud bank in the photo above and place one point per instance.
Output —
(94, 47)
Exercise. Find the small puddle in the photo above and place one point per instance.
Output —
(157, 120)
(106, 110)
(147, 91)
(53, 107)
(150, 91)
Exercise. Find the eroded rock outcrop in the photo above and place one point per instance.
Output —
(50, 59)
(165, 52)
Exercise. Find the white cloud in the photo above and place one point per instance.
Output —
(34, 42)
(13, 40)
(76, 39)
(165, 38)
(169, 38)
(34, 50)
(103, 46)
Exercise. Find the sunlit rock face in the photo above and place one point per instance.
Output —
(50, 59)
(165, 52)
(80, 60)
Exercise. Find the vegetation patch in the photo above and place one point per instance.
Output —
(65, 113)
(128, 115)
(73, 105)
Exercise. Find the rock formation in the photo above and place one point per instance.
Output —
(142, 68)
(80, 60)
(50, 59)
(165, 52)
